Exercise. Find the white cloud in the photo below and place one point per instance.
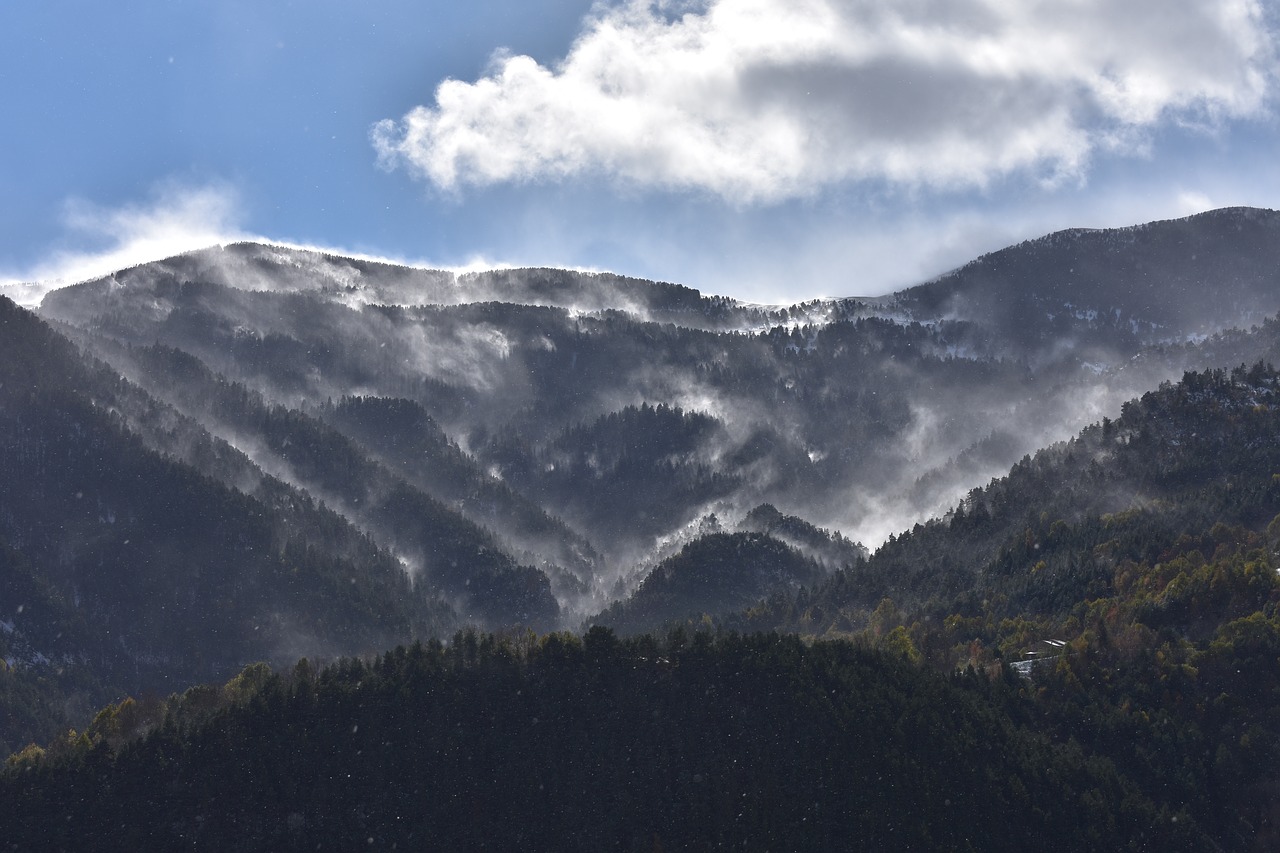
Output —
(176, 219)
(761, 100)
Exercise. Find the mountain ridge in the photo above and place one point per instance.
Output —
(520, 462)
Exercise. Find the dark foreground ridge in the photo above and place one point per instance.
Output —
(695, 743)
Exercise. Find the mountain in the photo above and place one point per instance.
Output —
(536, 447)
(1115, 289)
(255, 453)
(854, 415)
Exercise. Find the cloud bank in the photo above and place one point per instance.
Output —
(757, 101)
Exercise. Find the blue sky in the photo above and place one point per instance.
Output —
(771, 150)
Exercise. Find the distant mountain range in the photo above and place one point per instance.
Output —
(251, 452)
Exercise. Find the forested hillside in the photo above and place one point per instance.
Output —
(1161, 280)
(585, 744)
(1131, 574)
(125, 567)
(1191, 457)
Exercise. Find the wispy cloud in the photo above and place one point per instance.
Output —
(177, 218)
(761, 100)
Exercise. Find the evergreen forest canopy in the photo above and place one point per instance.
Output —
(257, 454)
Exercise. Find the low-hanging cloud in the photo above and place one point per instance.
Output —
(763, 100)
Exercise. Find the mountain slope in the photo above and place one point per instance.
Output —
(857, 416)
(752, 743)
(1132, 575)
(164, 574)
(811, 414)
(454, 557)
(1178, 460)
(716, 573)
(1163, 280)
